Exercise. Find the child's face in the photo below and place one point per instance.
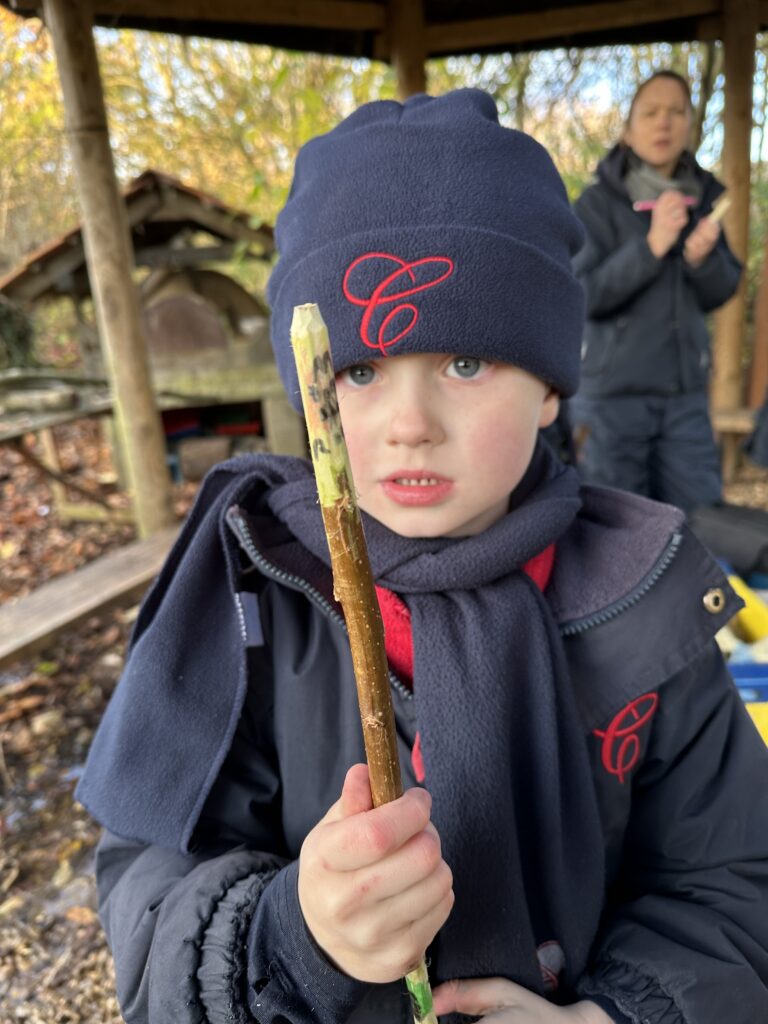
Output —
(438, 442)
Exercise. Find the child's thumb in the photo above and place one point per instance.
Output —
(356, 792)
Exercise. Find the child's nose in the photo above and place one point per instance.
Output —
(413, 422)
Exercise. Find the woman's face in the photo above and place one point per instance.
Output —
(660, 124)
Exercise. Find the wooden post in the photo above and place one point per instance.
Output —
(51, 456)
(88, 341)
(758, 377)
(740, 25)
(407, 46)
(109, 258)
(283, 427)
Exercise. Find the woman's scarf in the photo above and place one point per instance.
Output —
(504, 751)
(644, 182)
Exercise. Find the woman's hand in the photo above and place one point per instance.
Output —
(373, 887)
(701, 241)
(503, 1002)
(669, 217)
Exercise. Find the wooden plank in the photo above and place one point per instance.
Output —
(734, 421)
(89, 512)
(740, 20)
(731, 427)
(41, 275)
(757, 378)
(19, 424)
(284, 427)
(51, 453)
(181, 208)
(30, 622)
(341, 14)
(536, 27)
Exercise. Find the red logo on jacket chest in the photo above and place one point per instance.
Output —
(620, 749)
(407, 279)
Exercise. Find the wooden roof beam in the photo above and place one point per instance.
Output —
(188, 256)
(538, 27)
(181, 207)
(40, 276)
(338, 14)
(42, 272)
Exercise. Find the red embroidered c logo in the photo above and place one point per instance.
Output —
(621, 745)
(404, 274)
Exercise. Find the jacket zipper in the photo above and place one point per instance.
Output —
(577, 626)
(297, 583)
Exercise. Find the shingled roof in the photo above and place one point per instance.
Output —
(160, 210)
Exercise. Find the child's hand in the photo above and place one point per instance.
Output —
(373, 886)
(669, 217)
(504, 1002)
(701, 241)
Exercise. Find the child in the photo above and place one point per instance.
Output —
(590, 842)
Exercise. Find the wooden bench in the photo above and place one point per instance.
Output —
(30, 622)
(731, 427)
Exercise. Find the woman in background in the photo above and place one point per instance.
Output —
(653, 265)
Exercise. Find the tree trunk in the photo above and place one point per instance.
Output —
(110, 259)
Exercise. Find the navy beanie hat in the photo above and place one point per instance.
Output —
(427, 227)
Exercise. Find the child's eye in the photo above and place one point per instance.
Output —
(360, 374)
(466, 367)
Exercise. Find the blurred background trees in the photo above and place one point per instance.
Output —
(227, 118)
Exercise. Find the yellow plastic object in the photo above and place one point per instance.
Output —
(751, 622)
(759, 713)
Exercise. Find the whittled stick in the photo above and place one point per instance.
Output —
(353, 584)
(720, 207)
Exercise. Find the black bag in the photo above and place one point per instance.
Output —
(737, 534)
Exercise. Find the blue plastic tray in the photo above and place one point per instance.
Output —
(751, 679)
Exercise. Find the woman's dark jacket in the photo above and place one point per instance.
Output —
(207, 929)
(646, 330)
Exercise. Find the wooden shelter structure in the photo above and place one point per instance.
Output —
(173, 228)
(162, 213)
(406, 33)
(206, 336)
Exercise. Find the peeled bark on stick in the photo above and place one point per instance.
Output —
(352, 578)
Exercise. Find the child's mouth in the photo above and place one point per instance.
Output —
(416, 489)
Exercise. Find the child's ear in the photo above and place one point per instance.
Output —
(549, 409)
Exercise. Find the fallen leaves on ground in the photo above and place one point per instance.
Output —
(55, 967)
(54, 964)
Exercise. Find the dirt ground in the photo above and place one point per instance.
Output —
(54, 964)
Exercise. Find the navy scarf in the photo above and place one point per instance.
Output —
(504, 750)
